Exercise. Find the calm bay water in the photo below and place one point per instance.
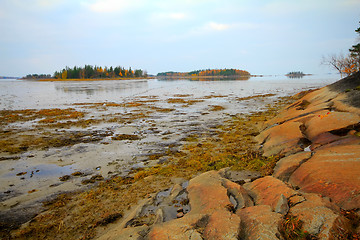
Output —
(22, 94)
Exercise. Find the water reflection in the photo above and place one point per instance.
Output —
(295, 76)
(224, 78)
(19, 94)
(91, 88)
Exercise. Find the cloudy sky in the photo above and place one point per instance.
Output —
(261, 36)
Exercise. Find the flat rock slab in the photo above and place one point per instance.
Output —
(313, 102)
(327, 121)
(323, 139)
(333, 172)
(287, 165)
(281, 139)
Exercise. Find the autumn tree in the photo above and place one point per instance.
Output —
(64, 74)
(345, 64)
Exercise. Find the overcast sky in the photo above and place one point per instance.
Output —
(261, 36)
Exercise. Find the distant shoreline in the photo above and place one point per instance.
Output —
(244, 77)
(155, 77)
(86, 79)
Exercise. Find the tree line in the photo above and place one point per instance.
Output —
(88, 72)
(37, 76)
(207, 72)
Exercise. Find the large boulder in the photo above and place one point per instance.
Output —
(222, 225)
(270, 191)
(259, 222)
(319, 216)
(333, 172)
(179, 229)
(206, 193)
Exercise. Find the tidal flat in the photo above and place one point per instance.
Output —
(151, 136)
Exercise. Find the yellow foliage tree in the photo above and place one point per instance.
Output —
(64, 74)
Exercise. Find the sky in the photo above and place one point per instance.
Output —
(260, 36)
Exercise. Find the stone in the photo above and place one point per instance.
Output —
(333, 172)
(327, 121)
(239, 193)
(208, 184)
(239, 176)
(287, 165)
(347, 140)
(259, 222)
(64, 178)
(269, 191)
(211, 213)
(281, 139)
(177, 229)
(282, 206)
(159, 216)
(318, 216)
(323, 139)
(222, 225)
(308, 105)
(296, 200)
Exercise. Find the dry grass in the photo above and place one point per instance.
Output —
(255, 96)
(45, 115)
(20, 142)
(184, 101)
(291, 229)
(182, 95)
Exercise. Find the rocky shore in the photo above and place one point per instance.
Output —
(313, 193)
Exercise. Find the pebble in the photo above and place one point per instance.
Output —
(64, 178)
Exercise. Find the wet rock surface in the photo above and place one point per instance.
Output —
(308, 193)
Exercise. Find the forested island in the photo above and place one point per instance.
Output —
(207, 73)
(89, 72)
(296, 74)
